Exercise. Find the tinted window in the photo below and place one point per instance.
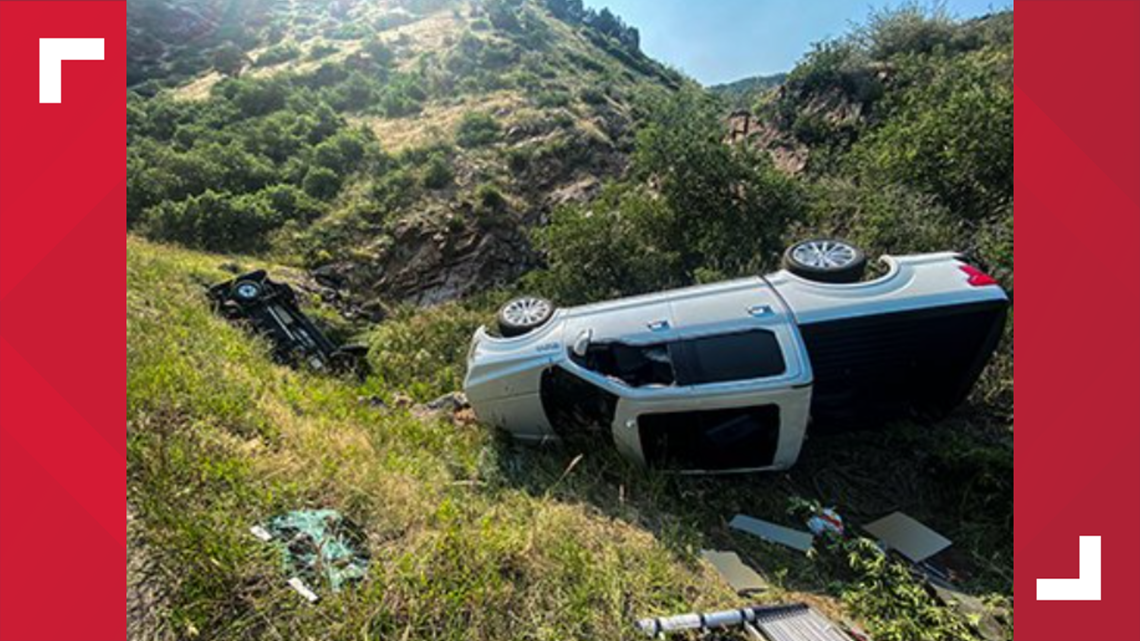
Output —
(728, 357)
(744, 437)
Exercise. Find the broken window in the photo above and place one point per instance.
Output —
(634, 365)
(694, 361)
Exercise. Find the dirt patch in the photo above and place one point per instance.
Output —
(145, 600)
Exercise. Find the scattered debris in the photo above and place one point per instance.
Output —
(299, 585)
(908, 537)
(272, 310)
(796, 539)
(793, 622)
(319, 546)
(452, 402)
(401, 400)
(373, 401)
(742, 578)
(826, 521)
(797, 622)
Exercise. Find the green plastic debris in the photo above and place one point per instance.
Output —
(320, 545)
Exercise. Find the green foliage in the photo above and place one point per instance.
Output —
(423, 354)
(716, 211)
(321, 183)
(489, 201)
(253, 137)
(881, 219)
(477, 129)
(950, 133)
(895, 606)
(278, 54)
(606, 249)
(214, 221)
(438, 172)
(729, 205)
(229, 59)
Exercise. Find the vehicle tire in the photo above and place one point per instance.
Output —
(247, 290)
(525, 314)
(826, 260)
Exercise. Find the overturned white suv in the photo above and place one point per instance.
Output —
(726, 377)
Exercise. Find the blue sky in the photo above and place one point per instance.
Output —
(724, 40)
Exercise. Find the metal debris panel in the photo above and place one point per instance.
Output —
(797, 623)
(738, 575)
(796, 539)
(908, 537)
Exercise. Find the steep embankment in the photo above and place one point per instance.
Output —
(402, 148)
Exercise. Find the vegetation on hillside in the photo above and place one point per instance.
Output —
(454, 153)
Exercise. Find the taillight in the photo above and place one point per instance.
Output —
(977, 277)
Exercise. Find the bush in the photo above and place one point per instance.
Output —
(951, 136)
(489, 200)
(278, 54)
(423, 353)
(592, 96)
(437, 172)
(321, 183)
(890, 219)
(607, 249)
(213, 221)
(477, 129)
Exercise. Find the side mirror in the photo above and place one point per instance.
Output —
(582, 343)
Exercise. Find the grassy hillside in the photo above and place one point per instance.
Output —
(387, 143)
(471, 536)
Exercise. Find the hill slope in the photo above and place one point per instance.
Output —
(399, 146)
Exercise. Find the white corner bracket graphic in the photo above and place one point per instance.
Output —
(53, 51)
(1085, 588)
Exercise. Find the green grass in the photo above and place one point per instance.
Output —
(473, 537)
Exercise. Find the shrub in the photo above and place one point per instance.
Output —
(437, 172)
(278, 54)
(951, 136)
(552, 99)
(607, 249)
(321, 183)
(213, 221)
(477, 129)
(592, 96)
(423, 354)
(489, 200)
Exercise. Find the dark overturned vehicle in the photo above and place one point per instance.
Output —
(726, 377)
(270, 309)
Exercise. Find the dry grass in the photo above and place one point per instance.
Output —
(197, 89)
(437, 122)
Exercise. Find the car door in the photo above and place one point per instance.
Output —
(742, 391)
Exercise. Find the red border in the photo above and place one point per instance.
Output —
(62, 320)
(1077, 180)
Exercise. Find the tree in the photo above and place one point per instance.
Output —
(229, 60)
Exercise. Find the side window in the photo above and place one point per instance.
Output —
(634, 365)
(726, 439)
(728, 357)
